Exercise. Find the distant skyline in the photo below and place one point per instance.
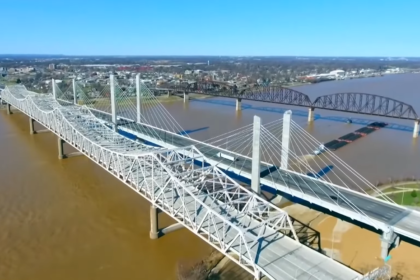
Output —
(211, 28)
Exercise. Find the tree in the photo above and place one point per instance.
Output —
(18, 81)
(414, 194)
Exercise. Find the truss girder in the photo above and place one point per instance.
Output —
(360, 103)
(272, 94)
(364, 103)
(202, 198)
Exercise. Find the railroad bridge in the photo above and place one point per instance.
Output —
(348, 102)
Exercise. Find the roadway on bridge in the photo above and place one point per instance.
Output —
(378, 213)
(276, 255)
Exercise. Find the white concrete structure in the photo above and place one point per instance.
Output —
(285, 141)
(238, 104)
(113, 101)
(416, 129)
(256, 156)
(138, 97)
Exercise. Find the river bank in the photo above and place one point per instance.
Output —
(342, 241)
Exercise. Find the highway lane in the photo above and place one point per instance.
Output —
(357, 206)
(362, 208)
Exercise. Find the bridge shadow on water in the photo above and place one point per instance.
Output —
(304, 113)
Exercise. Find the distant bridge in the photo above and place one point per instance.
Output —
(349, 102)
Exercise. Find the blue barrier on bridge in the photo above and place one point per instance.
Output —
(268, 171)
(321, 173)
(266, 188)
(197, 162)
(187, 132)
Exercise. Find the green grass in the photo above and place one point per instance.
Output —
(404, 198)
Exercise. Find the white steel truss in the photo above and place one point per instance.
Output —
(202, 198)
(179, 181)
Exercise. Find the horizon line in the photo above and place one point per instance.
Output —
(166, 55)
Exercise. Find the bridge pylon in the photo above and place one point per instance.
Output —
(73, 81)
(256, 156)
(113, 101)
(138, 98)
(285, 141)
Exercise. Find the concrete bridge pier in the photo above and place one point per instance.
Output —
(186, 97)
(416, 128)
(238, 104)
(31, 126)
(61, 155)
(311, 115)
(9, 112)
(60, 143)
(155, 232)
(389, 240)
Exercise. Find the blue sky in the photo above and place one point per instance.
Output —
(211, 27)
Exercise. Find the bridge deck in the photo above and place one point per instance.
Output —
(277, 255)
(405, 222)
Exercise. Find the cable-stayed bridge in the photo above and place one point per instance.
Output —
(127, 132)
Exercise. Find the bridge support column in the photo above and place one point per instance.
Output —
(54, 92)
(74, 91)
(9, 112)
(416, 128)
(113, 101)
(31, 126)
(186, 97)
(155, 232)
(169, 93)
(138, 96)
(285, 140)
(389, 240)
(153, 222)
(311, 115)
(256, 156)
(60, 143)
(238, 104)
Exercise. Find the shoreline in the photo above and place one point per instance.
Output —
(344, 242)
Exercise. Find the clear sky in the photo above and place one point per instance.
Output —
(211, 27)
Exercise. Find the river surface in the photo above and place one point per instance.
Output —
(69, 219)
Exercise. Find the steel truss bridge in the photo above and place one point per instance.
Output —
(183, 179)
(350, 102)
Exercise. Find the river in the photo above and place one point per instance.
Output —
(69, 219)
